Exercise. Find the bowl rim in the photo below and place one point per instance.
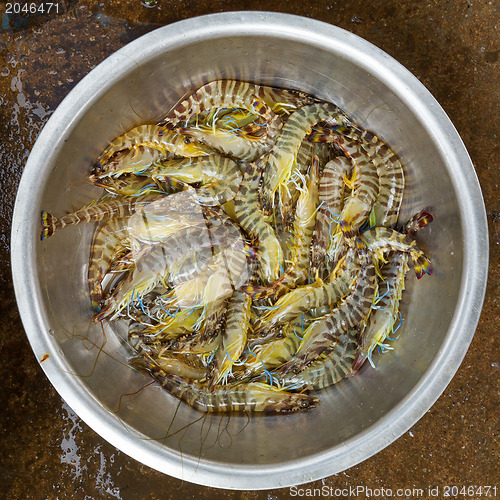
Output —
(432, 383)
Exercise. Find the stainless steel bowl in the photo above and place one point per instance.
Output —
(359, 416)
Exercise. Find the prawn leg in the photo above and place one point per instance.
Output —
(305, 216)
(236, 94)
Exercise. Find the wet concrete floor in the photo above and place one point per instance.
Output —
(450, 45)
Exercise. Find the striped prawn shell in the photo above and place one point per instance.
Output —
(256, 225)
(102, 210)
(194, 263)
(236, 264)
(234, 335)
(391, 176)
(331, 194)
(239, 147)
(234, 94)
(251, 397)
(158, 263)
(227, 271)
(366, 184)
(275, 353)
(219, 177)
(302, 299)
(351, 314)
(246, 205)
(128, 161)
(386, 308)
(303, 227)
(190, 250)
(160, 219)
(224, 187)
(109, 240)
(212, 317)
(327, 370)
(283, 101)
(282, 158)
(181, 270)
(381, 240)
(150, 136)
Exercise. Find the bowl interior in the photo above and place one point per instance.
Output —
(95, 356)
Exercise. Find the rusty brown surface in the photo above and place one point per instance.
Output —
(451, 46)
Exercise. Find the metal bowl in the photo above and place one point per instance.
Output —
(357, 417)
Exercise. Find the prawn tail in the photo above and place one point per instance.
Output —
(347, 230)
(418, 221)
(422, 266)
(324, 133)
(360, 245)
(165, 127)
(424, 218)
(96, 302)
(175, 183)
(103, 313)
(358, 362)
(260, 107)
(258, 292)
(48, 225)
(318, 136)
(96, 306)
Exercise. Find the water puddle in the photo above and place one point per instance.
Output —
(70, 450)
(84, 463)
